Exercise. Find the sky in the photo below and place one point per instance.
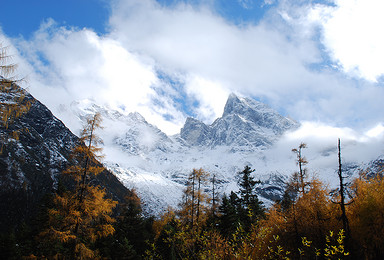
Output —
(318, 62)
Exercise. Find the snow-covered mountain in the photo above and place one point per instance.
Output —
(245, 123)
(157, 165)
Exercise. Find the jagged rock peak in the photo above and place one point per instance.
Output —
(137, 116)
(258, 113)
(242, 106)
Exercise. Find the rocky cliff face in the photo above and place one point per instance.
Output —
(31, 166)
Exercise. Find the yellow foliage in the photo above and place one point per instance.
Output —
(194, 208)
(158, 225)
(313, 211)
(366, 214)
(12, 98)
(335, 248)
(82, 216)
(303, 226)
(68, 224)
(214, 246)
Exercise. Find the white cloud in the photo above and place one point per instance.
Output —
(352, 35)
(268, 2)
(279, 60)
(321, 151)
(212, 97)
(321, 131)
(376, 132)
(64, 65)
(197, 41)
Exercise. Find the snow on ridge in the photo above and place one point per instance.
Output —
(157, 166)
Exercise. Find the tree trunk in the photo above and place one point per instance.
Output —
(342, 197)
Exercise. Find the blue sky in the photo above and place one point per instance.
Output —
(315, 61)
(23, 17)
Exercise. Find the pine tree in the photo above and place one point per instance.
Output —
(229, 219)
(213, 217)
(251, 208)
(247, 186)
(133, 231)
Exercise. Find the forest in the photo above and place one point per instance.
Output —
(309, 222)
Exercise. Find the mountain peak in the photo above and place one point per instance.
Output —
(245, 122)
(231, 103)
(241, 106)
(232, 96)
(137, 116)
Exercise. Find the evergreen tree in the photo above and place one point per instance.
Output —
(289, 197)
(251, 208)
(243, 209)
(133, 231)
(213, 217)
(229, 219)
(214, 204)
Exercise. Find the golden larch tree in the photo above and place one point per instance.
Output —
(82, 216)
(12, 98)
(366, 215)
(195, 204)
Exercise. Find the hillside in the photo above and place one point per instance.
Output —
(31, 167)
